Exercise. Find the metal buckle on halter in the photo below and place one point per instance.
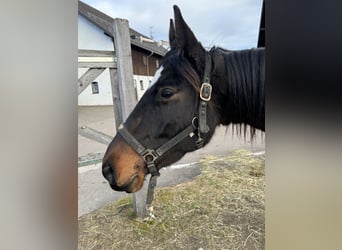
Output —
(199, 143)
(205, 92)
(150, 156)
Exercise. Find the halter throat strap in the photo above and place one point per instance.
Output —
(205, 96)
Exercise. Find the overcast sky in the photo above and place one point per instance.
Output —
(231, 24)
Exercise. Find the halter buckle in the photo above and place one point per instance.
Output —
(149, 155)
(205, 92)
(199, 143)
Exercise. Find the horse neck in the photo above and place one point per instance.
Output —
(239, 84)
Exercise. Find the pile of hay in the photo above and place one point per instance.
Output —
(223, 208)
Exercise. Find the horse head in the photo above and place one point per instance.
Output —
(170, 107)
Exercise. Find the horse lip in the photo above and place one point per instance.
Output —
(116, 188)
(128, 186)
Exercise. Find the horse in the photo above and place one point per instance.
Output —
(194, 91)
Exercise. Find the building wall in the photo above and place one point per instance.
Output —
(144, 63)
(93, 38)
(141, 84)
(104, 96)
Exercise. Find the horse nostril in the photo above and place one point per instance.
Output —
(108, 173)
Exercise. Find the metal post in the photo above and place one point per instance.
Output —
(139, 201)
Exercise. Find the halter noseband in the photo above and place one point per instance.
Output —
(150, 156)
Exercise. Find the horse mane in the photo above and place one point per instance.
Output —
(244, 86)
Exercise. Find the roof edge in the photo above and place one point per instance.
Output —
(105, 23)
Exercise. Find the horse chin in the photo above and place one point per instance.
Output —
(133, 185)
(136, 183)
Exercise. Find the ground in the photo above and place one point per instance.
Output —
(221, 208)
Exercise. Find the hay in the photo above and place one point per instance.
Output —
(223, 208)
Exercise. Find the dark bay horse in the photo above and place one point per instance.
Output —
(194, 91)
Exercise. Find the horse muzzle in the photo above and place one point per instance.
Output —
(130, 186)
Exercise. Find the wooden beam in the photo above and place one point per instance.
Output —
(95, 135)
(88, 77)
(94, 53)
(111, 65)
(116, 97)
(97, 17)
(96, 59)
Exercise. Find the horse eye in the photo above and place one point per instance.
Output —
(166, 93)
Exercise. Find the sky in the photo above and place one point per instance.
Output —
(230, 24)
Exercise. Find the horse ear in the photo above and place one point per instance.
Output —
(186, 40)
(172, 36)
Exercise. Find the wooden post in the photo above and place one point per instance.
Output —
(122, 44)
(124, 98)
(116, 97)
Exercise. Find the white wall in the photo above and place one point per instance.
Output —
(87, 98)
(141, 87)
(104, 97)
(92, 37)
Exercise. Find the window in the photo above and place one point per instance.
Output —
(95, 87)
(141, 85)
(157, 64)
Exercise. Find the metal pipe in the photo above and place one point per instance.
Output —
(148, 69)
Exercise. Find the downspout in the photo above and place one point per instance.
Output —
(147, 66)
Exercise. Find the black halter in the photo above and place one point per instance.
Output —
(150, 156)
(198, 124)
